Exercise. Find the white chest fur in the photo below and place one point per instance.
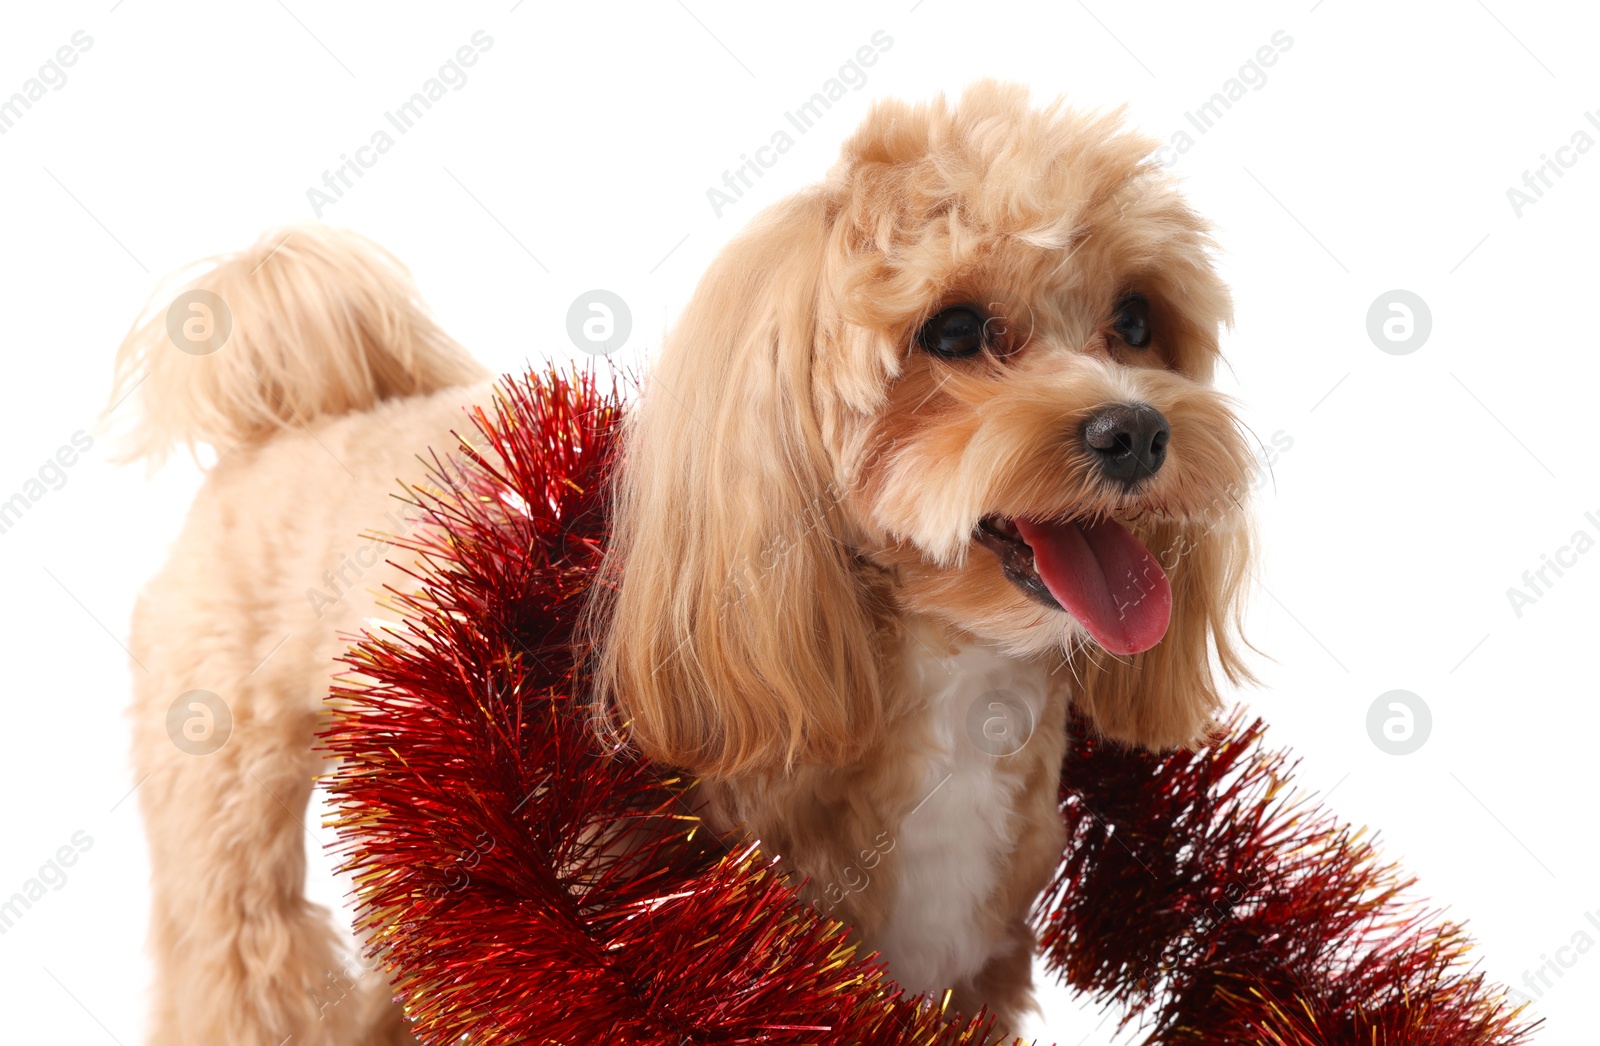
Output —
(952, 848)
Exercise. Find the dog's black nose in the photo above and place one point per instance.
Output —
(1128, 439)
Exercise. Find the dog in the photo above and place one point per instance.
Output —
(932, 455)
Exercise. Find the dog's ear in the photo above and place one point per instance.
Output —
(732, 630)
(1168, 695)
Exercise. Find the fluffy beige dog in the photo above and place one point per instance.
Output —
(931, 454)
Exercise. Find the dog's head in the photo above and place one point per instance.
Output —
(967, 377)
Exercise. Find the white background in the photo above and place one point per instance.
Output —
(1377, 155)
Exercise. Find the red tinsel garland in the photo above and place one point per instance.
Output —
(478, 815)
(521, 886)
(1219, 908)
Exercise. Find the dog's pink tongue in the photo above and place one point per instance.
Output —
(1103, 577)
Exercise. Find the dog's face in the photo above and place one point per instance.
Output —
(967, 377)
(1033, 319)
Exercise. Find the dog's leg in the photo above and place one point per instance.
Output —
(241, 957)
(382, 1020)
(1004, 985)
(326, 332)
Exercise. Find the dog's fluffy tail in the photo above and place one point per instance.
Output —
(308, 323)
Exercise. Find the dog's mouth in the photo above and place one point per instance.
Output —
(1093, 569)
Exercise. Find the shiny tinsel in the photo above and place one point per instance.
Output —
(1220, 908)
(522, 886)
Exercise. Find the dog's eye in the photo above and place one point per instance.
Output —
(1132, 322)
(953, 333)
